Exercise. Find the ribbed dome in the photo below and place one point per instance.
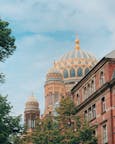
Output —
(53, 70)
(32, 104)
(77, 54)
(75, 64)
(54, 75)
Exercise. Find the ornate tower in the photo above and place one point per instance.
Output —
(54, 90)
(31, 113)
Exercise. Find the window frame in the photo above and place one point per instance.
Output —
(103, 105)
(104, 134)
(102, 78)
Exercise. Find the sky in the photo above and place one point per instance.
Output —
(45, 30)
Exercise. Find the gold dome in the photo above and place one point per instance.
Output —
(75, 64)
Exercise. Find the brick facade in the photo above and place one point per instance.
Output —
(94, 97)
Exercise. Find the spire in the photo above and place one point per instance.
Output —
(77, 46)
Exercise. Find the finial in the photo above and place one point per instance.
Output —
(77, 46)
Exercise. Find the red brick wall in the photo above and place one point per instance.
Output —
(108, 117)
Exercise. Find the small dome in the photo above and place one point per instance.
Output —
(54, 75)
(32, 104)
(54, 70)
(32, 99)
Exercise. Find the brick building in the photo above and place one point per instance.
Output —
(94, 96)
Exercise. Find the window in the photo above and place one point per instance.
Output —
(65, 74)
(85, 93)
(56, 97)
(33, 124)
(86, 115)
(50, 98)
(103, 105)
(79, 72)
(92, 86)
(102, 78)
(78, 99)
(72, 73)
(93, 111)
(86, 70)
(104, 131)
(88, 90)
(89, 114)
(29, 123)
(95, 133)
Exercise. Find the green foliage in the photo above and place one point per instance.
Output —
(65, 128)
(7, 43)
(9, 125)
(86, 135)
(66, 108)
(47, 132)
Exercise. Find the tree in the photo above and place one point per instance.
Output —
(66, 127)
(7, 43)
(68, 121)
(46, 132)
(75, 129)
(9, 125)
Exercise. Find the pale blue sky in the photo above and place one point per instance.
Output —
(44, 31)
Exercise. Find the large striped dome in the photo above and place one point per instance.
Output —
(79, 54)
(75, 64)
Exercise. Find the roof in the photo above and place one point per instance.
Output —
(80, 54)
(111, 54)
(32, 99)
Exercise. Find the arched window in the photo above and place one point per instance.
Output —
(72, 73)
(89, 90)
(103, 105)
(56, 97)
(65, 74)
(92, 86)
(86, 70)
(85, 93)
(79, 72)
(78, 99)
(101, 78)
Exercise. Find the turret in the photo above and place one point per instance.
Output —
(31, 113)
